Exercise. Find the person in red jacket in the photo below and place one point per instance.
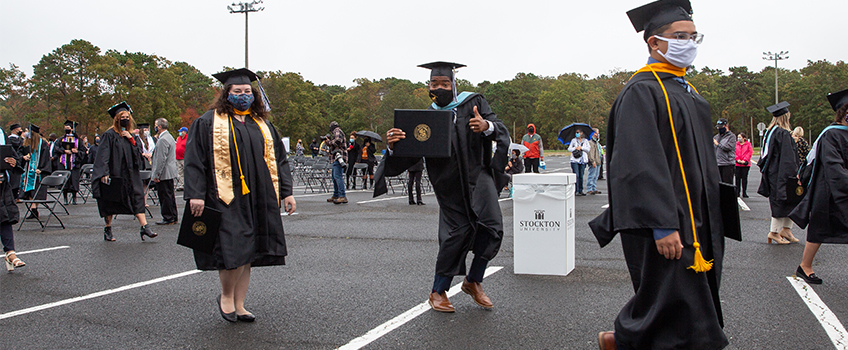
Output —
(535, 151)
(744, 150)
(181, 143)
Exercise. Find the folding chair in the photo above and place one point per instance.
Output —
(56, 191)
(360, 169)
(86, 172)
(41, 200)
(147, 180)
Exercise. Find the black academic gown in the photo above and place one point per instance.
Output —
(70, 163)
(15, 174)
(781, 164)
(825, 207)
(251, 228)
(466, 186)
(9, 212)
(119, 159)
(673, 307)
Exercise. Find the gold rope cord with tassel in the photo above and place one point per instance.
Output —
(222, 161)
(244, 189)
(700, 264)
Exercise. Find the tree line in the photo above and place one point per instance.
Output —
(79, 81)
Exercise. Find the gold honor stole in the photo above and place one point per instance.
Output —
(222, 162)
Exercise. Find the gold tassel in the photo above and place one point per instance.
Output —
(700, 264)
(245, 190)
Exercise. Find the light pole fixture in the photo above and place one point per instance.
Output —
(246, 8)
(769, 56)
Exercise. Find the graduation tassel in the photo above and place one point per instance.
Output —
(700, 264)
(244, 189)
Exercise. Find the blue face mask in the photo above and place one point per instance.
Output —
(577, 135)
(241, 102)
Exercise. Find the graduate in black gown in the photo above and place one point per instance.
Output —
(115, 181)
(9, 212)
(16, 141)
(36, 165)
(466, 186)
(237, 164)
(779, 166)
(70, 158)
(823, 207)
(670, 234)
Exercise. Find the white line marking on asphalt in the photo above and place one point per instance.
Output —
(326, 193)
(95, 295)
(42, 250)
(742, 204)
(828, 320)
(387, 199)
(504, 199)
(605, 206)
(405, 317)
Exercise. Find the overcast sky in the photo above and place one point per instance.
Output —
(334, 42)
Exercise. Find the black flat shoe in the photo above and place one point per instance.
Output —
(146, 231)
(411, 203)
(166, 222)
(420, 203)
(246, 318)
(230, 317)
(811, 279)
(107, 234)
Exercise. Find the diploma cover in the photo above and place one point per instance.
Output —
(6, 151)
(428, 133)
(67, 145)
(200, 233)
(730, 211)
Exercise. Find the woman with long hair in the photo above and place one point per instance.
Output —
(744, 151)
(801, 145)
(36, 165)
(238, 166)
(823, 207)
(9, 213)
(779, 164)
(116, 181)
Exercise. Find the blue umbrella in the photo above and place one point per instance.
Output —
(567, 133)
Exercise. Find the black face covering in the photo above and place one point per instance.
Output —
(125, 123)
(531, 130)
(441, 97)
(67, 131)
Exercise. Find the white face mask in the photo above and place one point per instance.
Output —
(680, 53)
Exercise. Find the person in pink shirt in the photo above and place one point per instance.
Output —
(744, 150)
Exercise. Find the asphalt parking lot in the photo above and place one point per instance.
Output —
(364, 269)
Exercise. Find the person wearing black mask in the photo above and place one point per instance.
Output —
(70, 155)
(725, 149)
(116, 180)
(92, 150)
(535, 149)
(466, 185)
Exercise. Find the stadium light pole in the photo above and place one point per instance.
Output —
(246, 8)
(769, 56)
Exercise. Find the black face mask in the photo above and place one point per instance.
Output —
(441, 97)
(67, 131)
(125, 123)
(722, 130)
(531, 130)
(20, 133)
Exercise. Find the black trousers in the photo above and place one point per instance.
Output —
(742, 180)
(726, 172)
(167, 201)
(414, 177)
(531, 165)
(7, 237)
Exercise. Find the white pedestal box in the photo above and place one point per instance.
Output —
(543, 223)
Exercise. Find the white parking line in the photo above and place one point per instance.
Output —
(387, 199)
(828, 320)
(95, 295)
(405, 317)
(42, 250)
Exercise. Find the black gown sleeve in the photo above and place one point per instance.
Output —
(82, 154)
(284, 174)
(197, 159)
(104, 157)
(45, 163)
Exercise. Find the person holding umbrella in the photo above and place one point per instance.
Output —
(579, 148)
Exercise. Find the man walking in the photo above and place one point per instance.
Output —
(338, 156)
(670, 223)
(535, 150)
(725, 149)
(164, 172)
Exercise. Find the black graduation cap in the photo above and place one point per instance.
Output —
(442, 69)
(123, 106)
(778, 109)
(243, 76)
(143, 126)
(14, 126)
(34, 128)
(71, 123)
(652, 16)
(837, 99)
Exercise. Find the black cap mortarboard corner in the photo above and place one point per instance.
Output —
(243, 76)
(143, 126)
(778, 109)
(837, 99)
(442, 69)
(652, 16)
(71, 123)
(14, 126)
(123, 106)
(34, 128)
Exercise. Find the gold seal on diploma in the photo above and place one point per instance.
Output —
(799, 190)
(199, 228)
(422, 132)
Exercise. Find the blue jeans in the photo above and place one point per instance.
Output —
(578, 169)
(592, 179)
(338, 180)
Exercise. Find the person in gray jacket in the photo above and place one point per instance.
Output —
(165, 171)
(725, 150)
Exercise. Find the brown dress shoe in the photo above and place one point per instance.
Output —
(340, 200)
(606, 340)
(475, 290)
(440, 302)
(332, 199)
